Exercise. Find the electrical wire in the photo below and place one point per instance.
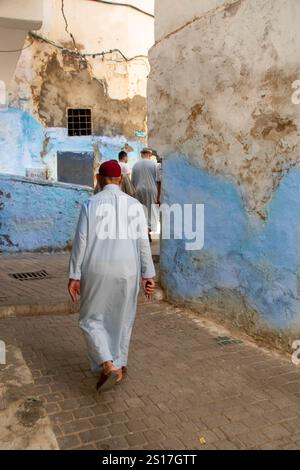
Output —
(125, 5)
(34, 36)
(90, 54)
(18, 50)
(93, 54)
(38, 36)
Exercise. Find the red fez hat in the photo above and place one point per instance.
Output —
(110, 169)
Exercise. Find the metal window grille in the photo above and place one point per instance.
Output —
(79, 121)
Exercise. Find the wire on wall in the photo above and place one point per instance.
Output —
(90, 54)
(128, 5)
(18, 50)
(75, 51)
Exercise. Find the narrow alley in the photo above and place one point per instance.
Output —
(149, 229)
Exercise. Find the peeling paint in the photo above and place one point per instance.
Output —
(272, 126)
(62, 89)
(48, 223)
(251, 262)
(45, 146)
(27, 144)
(229, 106)
(57, 72)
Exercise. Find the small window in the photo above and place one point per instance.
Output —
(79, 122)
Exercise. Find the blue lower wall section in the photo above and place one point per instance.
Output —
(259, 260)
(36, 215)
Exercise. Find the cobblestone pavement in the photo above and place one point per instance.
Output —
(51, 290)
(186, 388)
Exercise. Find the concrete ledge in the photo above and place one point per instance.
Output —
(40, 182)
(60, 308)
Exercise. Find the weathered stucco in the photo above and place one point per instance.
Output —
(220, 111)
(59, 78)
(50, 79)
(233, 114)
(173, 16)
(75, 88)
(59, 81)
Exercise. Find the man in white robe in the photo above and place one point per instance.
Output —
(123, 162)
(144, 180)
(126, 186)
(110, 256)
(158, 181)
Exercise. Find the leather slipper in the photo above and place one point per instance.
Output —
(124, 372)
(107, 381)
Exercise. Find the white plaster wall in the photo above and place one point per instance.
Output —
(20, 14)
(10, 40)
(99, 27)
(15, 22)
(172, 14)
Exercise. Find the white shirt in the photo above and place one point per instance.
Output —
(125, 168)
(158, 172)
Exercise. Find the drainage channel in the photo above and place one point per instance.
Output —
(30, 276)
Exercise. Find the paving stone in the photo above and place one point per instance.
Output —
(276, 431)
(226, 445)
(60, 418)
(233, 429)
(87, 447)
(115, 443)
(94, 435)
(292, 425)
(136, 425)
(83, 413)
(137, 439)
(76, 426)
(69, 405)
(118, 429)
(68, 442)
(134, 402)
(99, 421)
(118, 417)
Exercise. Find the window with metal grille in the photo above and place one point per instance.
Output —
(79, 121)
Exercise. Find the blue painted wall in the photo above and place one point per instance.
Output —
(22, 138)
(38, 215)
(35, 215)
(257, 259)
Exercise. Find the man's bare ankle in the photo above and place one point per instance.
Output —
(108, 366)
